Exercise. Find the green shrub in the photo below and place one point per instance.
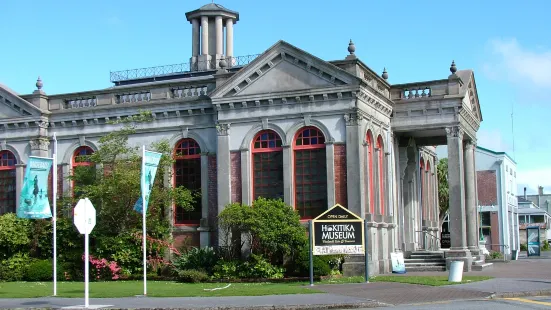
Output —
(545, 245)
(495, 255)
(322, 264)
(13, 268)
(14, 235)
(39, 270)
(259, 268)
(197, 258)
(226, 269)
(524, 247)
(192, 276)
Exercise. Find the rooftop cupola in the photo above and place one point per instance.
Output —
(208, 24)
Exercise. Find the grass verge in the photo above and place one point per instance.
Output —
(154, 289)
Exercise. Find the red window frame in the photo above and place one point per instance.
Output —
(266, 141)
(422, 173)
(7, 164)
(84, 162)
(314, 140)
(380, 146)
(187, 149)
(371, 192)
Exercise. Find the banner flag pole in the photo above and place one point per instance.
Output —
(142, 185)
(54, 215)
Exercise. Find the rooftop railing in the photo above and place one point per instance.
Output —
(151, 72)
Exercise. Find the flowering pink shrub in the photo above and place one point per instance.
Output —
(104, 268)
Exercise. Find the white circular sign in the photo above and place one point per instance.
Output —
(84, 216)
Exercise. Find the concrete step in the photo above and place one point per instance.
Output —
(425, 268)
(440, 263)
(484, 266)
(418, 256)
(478, 262)
(414, 260)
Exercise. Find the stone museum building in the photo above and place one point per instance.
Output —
(281, 124)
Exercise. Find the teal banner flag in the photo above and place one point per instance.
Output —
(34, 202)
(150, 162)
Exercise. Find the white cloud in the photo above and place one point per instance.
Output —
(534, 178)
(518, 63)
(492, 140)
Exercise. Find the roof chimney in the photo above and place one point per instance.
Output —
(540, 190)
(525, 193)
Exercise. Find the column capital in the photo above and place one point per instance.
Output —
(454, 132)
(470, 144)
(40, 144)
(353, 119)
(223, 129)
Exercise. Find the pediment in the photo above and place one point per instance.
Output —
(283, 68)
(470, 92)
(13, 106)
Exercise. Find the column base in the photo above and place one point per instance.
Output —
(409, 247)
(193, 63)
(464, 255)
(204, 62)
(384, 266)
(355, 266)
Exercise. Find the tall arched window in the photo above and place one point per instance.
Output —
(381, 165)
(7, 182)
(422, 185)
(370, 179)
(81, 161)
(187, 173)
(428, 197)
(267, 165)
(310, 172)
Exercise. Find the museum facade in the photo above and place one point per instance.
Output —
(281, 124)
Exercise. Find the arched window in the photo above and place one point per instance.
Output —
(370, 180)
(267, 165)
(7, 182)
(422, 186)
(381, 165)
(81, 161)
(187, 173)
(310, 173)
(429, 204)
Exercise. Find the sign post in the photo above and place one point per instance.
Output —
(85, 220)
(54, 213)
(338, 231)
(310, 233)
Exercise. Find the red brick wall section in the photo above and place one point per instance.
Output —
(186, 240)
(340, 175)
(213, 194)
(494, 230)
(236, 193)
(487, 187)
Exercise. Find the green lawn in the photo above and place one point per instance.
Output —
(422, 280)
(154, 289)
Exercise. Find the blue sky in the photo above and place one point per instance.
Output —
(73, 45)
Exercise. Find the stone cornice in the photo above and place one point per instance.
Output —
(371, 100)
(469, 119)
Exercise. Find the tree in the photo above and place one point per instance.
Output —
(443, 188)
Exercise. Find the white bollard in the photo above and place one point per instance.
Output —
(456, 271)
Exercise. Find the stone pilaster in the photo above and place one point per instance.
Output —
(330, 164)
(288, 196)
(246, 188)
(373, 246)
(224, 166)
(456, 181)
(204, 229)
(19, 176)
(354, 164)
(384, 262)
(40, 146)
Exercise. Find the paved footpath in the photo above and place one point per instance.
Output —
(525, 277)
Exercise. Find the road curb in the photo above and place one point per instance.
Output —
(520, 294)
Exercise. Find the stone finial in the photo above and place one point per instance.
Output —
(453, 68)
(385, 74)
(39, 83)
(351, 47)
(223, 63)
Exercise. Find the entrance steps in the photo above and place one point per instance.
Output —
(425, 261)
(479, 265)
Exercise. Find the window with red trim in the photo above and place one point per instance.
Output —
(370, 180)
(310, 172)
(187, 173)
(422, 173)
(7, 182)
(381, 169)
(267, 165)
(81, 161)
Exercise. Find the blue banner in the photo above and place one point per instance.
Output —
(34, 202)
(150, 162)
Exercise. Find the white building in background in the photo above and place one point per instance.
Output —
(497, 201)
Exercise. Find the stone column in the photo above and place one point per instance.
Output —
(330, 164)
(223, 168)
(402, 164)
(229, 41)
(458, 228)
(219, 39)
(470, 195)
(195, 37)
(354, 168)
(288, 196)
(204, 35)
(204, 229)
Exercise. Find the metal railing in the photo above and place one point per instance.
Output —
(150, 72)
(430, 241)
